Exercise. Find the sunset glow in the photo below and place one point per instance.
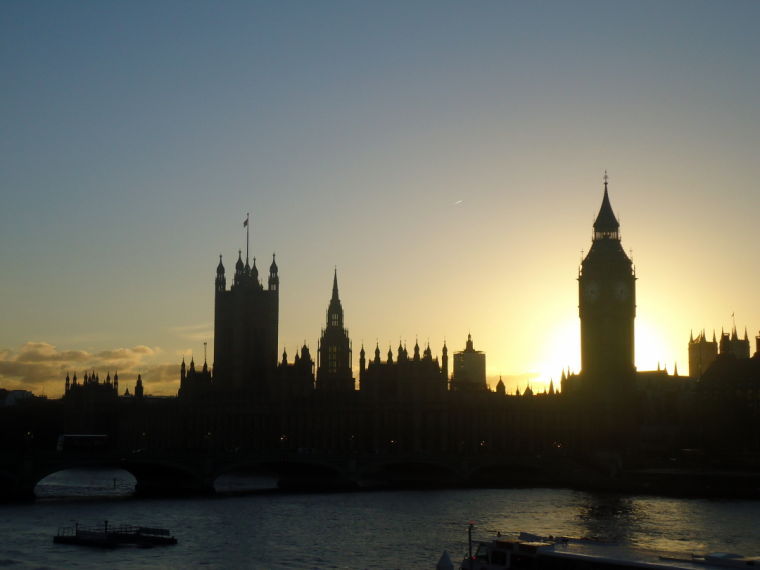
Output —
(447, 161)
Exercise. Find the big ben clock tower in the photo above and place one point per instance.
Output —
(607, 305)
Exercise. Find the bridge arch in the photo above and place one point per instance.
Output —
(152, 475)
(79, 481)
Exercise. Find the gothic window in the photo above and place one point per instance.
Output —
(332, 359)
(334, 319)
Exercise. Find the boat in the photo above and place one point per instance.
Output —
(109, 536)
(530, 551)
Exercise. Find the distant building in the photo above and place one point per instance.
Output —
(732, 344)
(415, 378)
(295, 380)
(91, 388)
(702, 353)
(194, 383)
(469, 369)
(728, 397)
(14, 397)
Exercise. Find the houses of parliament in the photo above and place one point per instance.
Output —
(409, 400)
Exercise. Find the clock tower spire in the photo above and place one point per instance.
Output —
(607, 305)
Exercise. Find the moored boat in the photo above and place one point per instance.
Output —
(109, 536)
(529, 551)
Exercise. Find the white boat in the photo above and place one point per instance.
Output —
(529, 551)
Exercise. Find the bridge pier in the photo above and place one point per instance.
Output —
(170, 480)
(17, 482)
(172, 488)
(316, 484)
(12, 492)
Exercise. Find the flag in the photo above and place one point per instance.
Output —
(245, 223)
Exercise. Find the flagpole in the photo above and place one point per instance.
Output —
(247, 231)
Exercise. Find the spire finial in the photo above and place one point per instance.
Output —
(605, 178)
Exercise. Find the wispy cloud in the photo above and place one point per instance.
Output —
(197, 332)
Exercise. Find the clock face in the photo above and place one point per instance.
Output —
(591, 291)
(621, 291)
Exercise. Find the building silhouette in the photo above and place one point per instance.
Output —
(469, 369)
(194, 383)
(407, 407)
(702, 353)
(334, 360)
(728, 395)
(295, 380)
(245, 330)
(732, 344)
(607, 308)
(414, 378)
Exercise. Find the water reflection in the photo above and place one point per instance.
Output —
(381, 529)
(609, 517)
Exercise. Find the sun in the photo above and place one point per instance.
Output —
(561, 351)
(651, 349)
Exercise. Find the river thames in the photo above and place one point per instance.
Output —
(367, 529)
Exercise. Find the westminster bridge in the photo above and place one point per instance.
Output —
(158, 473)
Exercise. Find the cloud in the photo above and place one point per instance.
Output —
(44, 352)
(198, 332)
(161, 379)
(125, 354)
(41, 367)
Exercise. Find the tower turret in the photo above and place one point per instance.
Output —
(221, 282)
(239, 269)
(255, 272)
(274, 280)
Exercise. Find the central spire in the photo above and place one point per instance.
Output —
(335, 286)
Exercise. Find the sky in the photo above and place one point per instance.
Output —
(445, 157)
